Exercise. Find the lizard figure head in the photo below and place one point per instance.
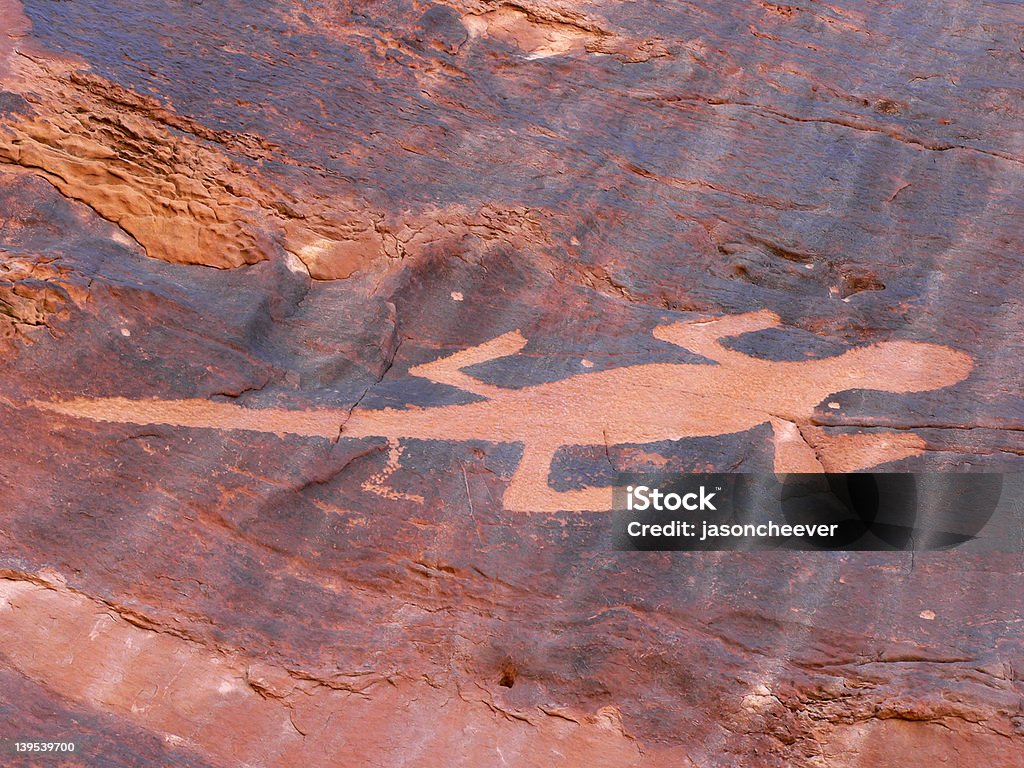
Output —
(904, 366)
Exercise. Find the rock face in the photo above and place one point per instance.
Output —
(266, 267)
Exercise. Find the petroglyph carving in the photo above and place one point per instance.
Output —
(642, 403)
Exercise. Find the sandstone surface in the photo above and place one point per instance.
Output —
(241, 241)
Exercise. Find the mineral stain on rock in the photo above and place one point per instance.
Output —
(260, 266)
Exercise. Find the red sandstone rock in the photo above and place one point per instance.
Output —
(199, 566)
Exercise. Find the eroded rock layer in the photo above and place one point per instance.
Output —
(325, 327)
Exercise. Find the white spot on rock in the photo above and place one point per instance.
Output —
(295, 264)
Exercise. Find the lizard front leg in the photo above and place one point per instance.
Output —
(704, 336)
(447, 370)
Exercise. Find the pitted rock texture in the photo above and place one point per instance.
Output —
(230, 230)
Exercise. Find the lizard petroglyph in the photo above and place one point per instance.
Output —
(642, 403)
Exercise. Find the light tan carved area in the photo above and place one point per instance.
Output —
(641, 403)
(203, 414)
(236, 710)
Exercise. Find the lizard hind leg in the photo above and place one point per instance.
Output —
(448, 370)
(703, 336)
(529, 490)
